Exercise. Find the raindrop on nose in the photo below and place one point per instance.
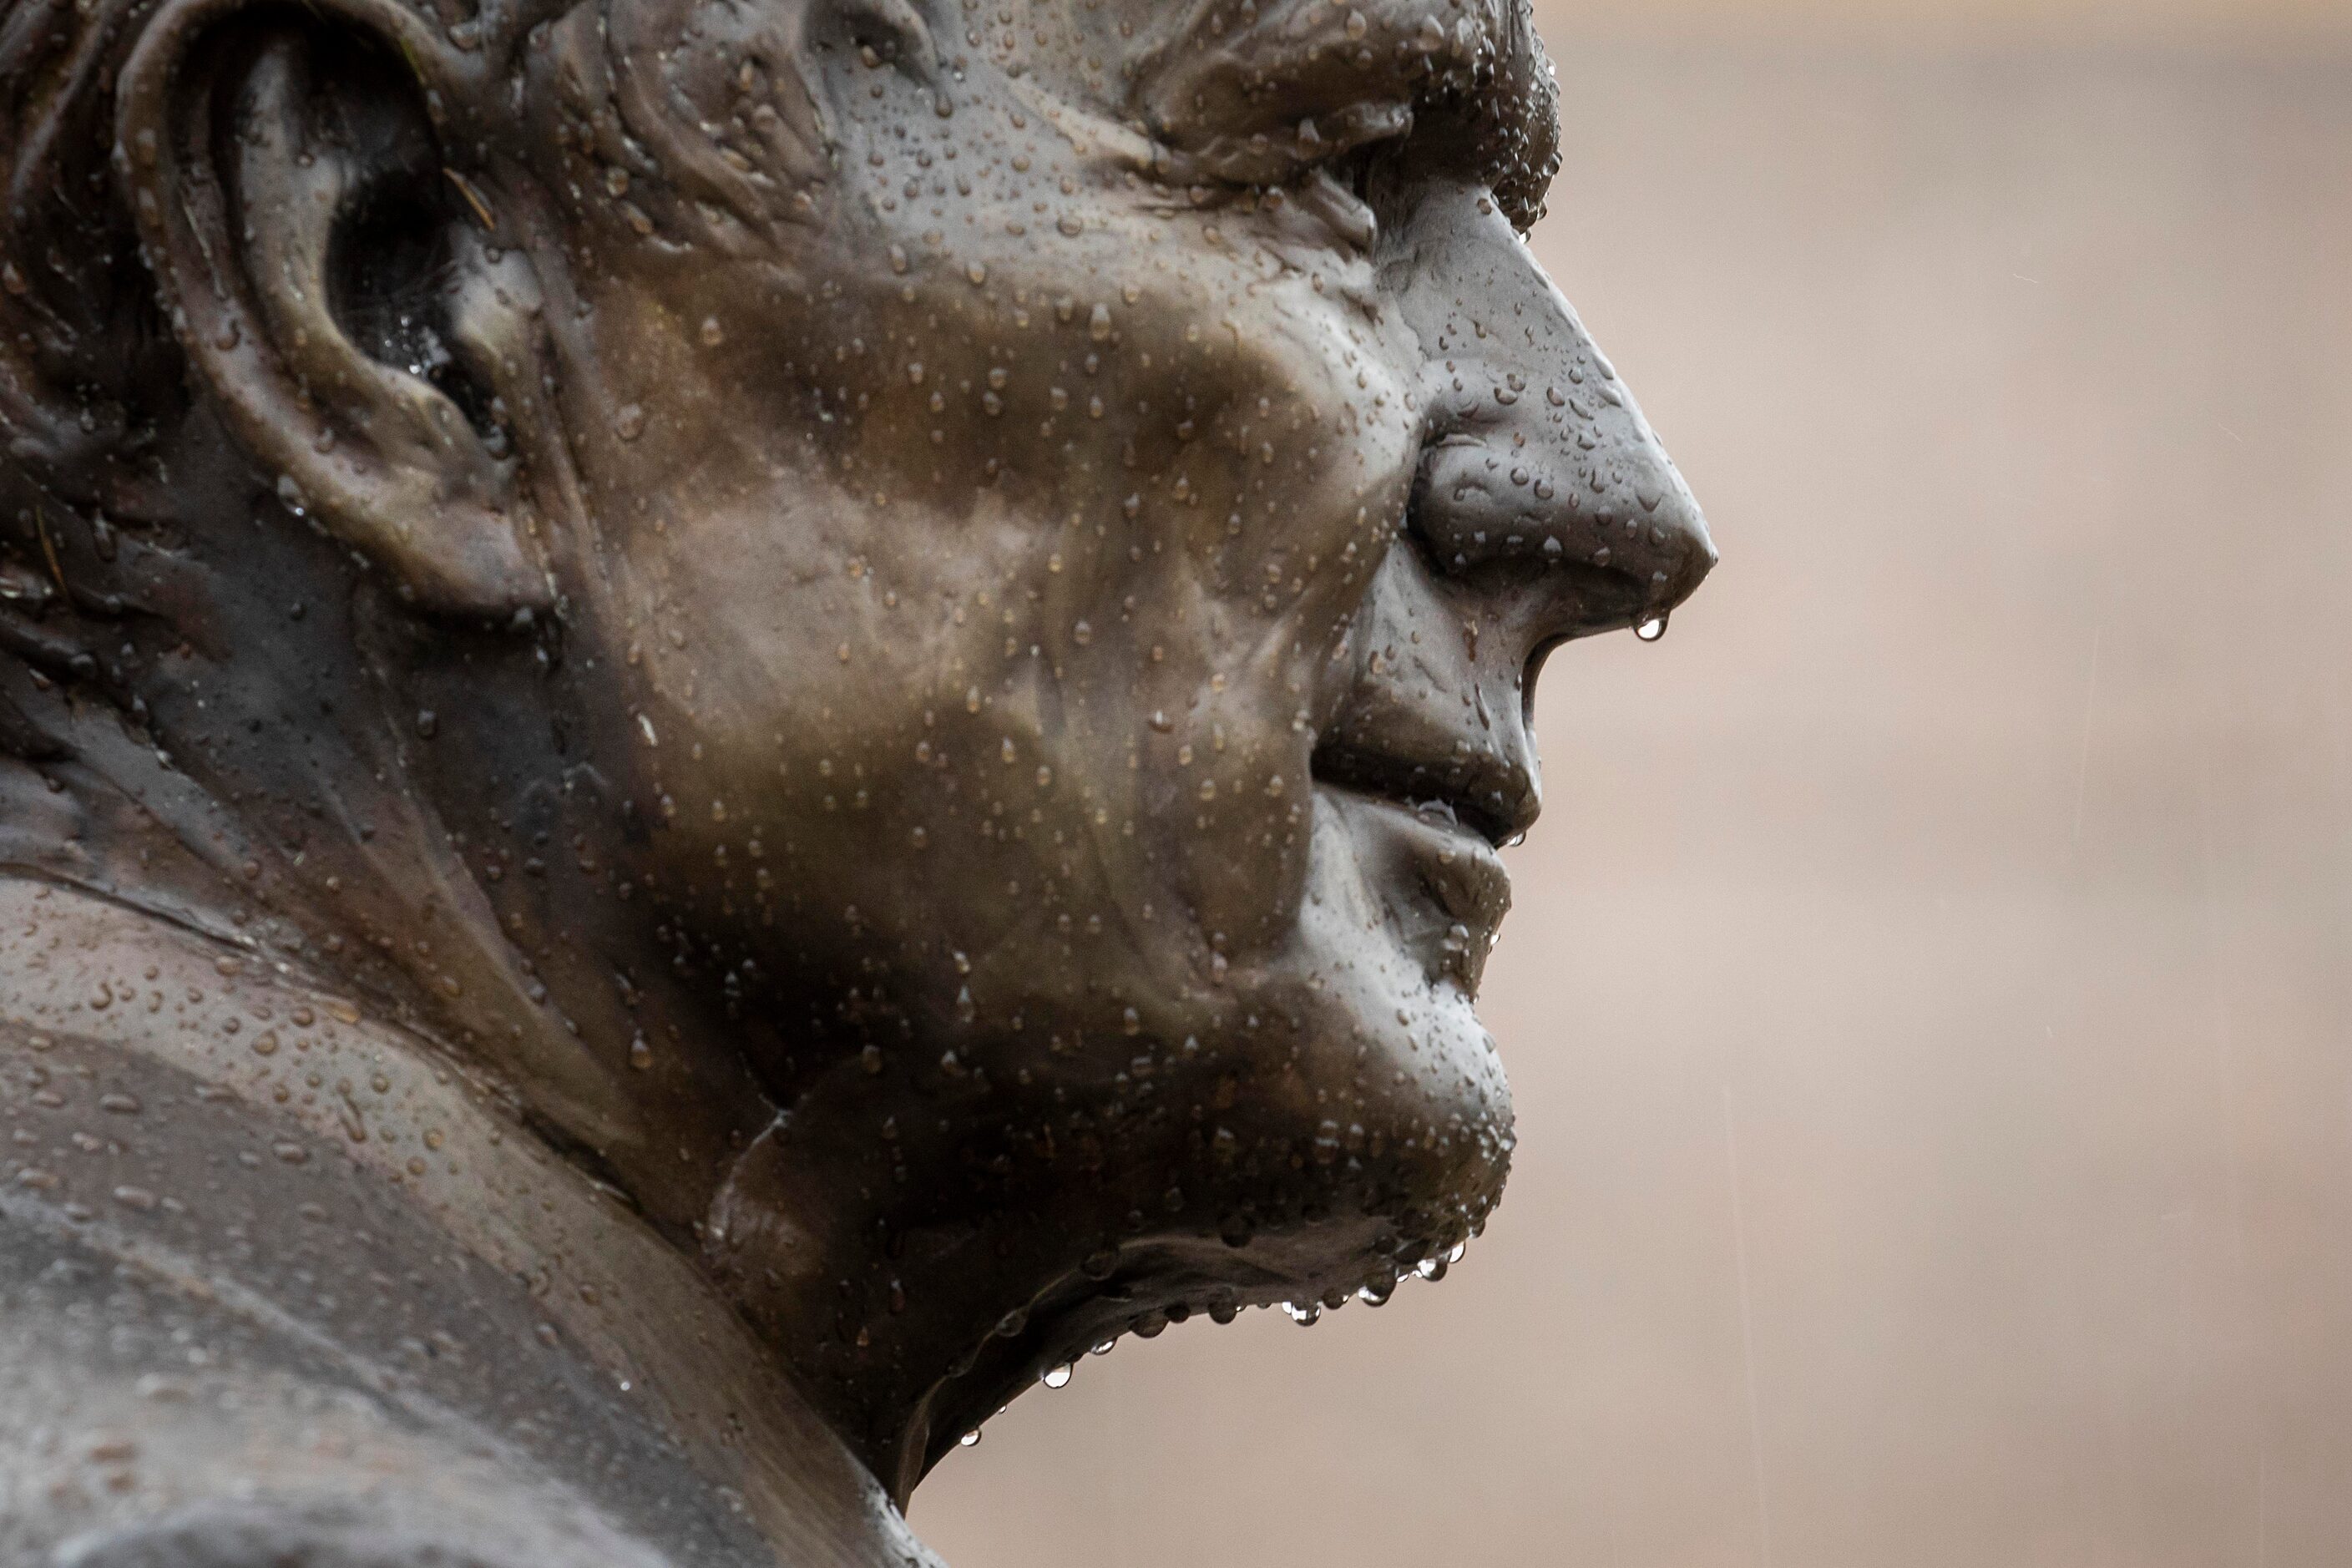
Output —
(1058, 1377)
(1652, 629)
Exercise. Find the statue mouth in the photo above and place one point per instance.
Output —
(1467, 794)
(1428, 844)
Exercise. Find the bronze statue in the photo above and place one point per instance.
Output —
(723, 725)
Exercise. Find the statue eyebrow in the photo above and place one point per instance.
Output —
(1254, 92)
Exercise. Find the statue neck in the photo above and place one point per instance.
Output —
(282, 797)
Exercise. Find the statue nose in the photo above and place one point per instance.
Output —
(1541, 481)
(1550, 474)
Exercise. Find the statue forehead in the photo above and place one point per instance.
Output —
(976, 28)
(744, 105)
(1172, 66)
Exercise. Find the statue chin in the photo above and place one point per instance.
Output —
(1296, 1131)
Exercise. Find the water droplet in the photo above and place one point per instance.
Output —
(1652, 629)
(1057, 1377)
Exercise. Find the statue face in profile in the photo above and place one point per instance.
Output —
(935, 609)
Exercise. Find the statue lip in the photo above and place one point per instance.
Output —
(1422, 847)
(1475, 794)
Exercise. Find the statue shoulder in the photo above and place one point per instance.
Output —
(260, 1246)
(241, 1534)
(150, 1421)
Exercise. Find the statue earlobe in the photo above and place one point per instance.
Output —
(289, 187)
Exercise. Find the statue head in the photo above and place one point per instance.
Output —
(915, 623)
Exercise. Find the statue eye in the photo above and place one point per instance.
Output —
(1342, 191)
(1331, 196)
(1356, 169)
(1337, 179)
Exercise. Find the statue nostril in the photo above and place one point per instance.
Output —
(1528, 675)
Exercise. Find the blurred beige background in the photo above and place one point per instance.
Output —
(1931, 998)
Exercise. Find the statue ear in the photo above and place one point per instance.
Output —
(335, 284)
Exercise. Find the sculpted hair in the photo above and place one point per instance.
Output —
(675, 124)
